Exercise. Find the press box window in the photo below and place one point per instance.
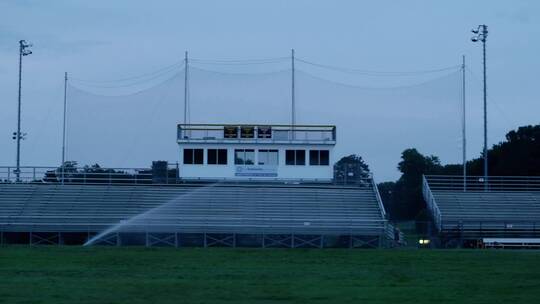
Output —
(295, 157)
(247, 132)
(268, 157)
(217, 157)
(244, 157)
(319, 158)
(230, 132)
(264, 132)
(193, 156)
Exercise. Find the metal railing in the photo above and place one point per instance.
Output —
(378, 196)
(486, 227)
(478, 183)
(431, 204)
(144, 176)
(256, 133)
(86, 175)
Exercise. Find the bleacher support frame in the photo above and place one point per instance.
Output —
(173, 240)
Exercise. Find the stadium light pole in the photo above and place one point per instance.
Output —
(481, 33)
(23, 51)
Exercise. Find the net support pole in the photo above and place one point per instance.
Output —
(464, 125)
(484, 38)
(64, 126)
(293, 105)
(185, 87)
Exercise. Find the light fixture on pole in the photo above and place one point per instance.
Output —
(481, 33)
(23, 51)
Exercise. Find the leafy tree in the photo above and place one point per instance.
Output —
(518, 155)
(351, 169)
(407, 194)
(70, 173)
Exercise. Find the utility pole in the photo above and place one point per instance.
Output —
(64, 127)
(464, 125)
(23, 51)
(293, 105)
(481, 35)
(185, 87)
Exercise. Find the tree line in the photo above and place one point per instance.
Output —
(517, 155)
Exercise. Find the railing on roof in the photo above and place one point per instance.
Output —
(256, 133)
(478, 183)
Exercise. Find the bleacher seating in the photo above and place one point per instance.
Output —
(502, 209)
(496, 210)
(218, 208)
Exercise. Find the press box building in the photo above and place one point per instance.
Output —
(256, 152)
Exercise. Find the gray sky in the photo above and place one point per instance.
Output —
(115, 39)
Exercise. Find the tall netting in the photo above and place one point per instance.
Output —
(118, 126)
(220, 97)
(128, 130)
(379, 123)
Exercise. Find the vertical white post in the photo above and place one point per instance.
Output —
(185, 87)
(464, 133)
(484, 38)
(64, 126)
(293, 105)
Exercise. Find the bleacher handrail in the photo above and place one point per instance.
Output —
(378, 196)
(478, 183)
(431, 203)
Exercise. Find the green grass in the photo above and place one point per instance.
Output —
(140, 275)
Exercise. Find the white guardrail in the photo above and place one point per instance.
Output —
(431, 204)
(480, 183)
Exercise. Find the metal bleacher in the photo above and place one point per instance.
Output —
(500, 207)
(277, 214)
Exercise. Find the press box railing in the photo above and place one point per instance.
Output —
(257, 133)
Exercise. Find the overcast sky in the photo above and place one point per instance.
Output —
(115, 39)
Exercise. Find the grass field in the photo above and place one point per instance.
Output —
(220, 275)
